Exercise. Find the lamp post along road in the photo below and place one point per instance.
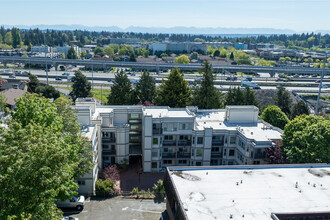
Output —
(320, 85)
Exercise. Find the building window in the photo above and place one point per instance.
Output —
(182, 161)
(105, 158)
(199, 152)
(170, 127)
(233, 140)
(185, 126)
(198, 163)
(215, 149)
(225, 152)
(134, 116)
(104, 146)
(200, 140)
(168, 137)
(154, 153)
(154, 165)
(167, 161)
(155, 141)
(81, 182)
(256, 162)
(231, 153)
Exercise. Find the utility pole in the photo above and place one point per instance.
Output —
(92, 78)
(320, 85)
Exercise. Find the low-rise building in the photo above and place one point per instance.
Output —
(164, 136)
(277, 192)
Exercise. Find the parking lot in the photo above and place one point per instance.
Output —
(119, 208)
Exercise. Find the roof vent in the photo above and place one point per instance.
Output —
(251, 133)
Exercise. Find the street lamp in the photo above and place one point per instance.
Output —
(320, 85)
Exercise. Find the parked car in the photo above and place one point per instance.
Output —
(65, 74)
(58, 78)
(12, 76)
(69, 218)
(133, 74)
(75, 202)
(317, 81)
(324, 86)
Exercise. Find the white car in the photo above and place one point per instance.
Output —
(75, 202)
(69, 218)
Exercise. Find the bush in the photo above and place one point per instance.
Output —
(104, 188)
(159, 189)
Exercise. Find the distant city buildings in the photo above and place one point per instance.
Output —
(187, 47)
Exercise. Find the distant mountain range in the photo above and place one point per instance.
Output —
(169, 30)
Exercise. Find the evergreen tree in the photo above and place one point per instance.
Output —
(234, 96)
(283, 100)
(250, 97)
(299, 108)
(81, 88)
(121, 91)
(174, 92)
(71, 54)
(33, 83)
(207, 96)
(48, 92)
(145, 88)
(231, 56)
(16, 35)
(8, 38)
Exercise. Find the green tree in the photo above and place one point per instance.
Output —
(274, 116)
(306, 140)
(109, 51)
(250, 97)
(8, 38)
(174, 91)
(145, 88)
(2, 102)
(299, 108)
(183, 59)
(207, 96)
(38, 160)
(16, 36)
(48, 92)
(71, 54)
(33, 83)
(216, 53)
(234, 96)
(132, 58)
(83, 54)
(121, 91)
(99, 51)
(231, 56)
(81, 88)
(283, 100)
(194, 56)
(115, 47)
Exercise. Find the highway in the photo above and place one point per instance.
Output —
(158, 66)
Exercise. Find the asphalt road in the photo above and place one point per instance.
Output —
(119, 208)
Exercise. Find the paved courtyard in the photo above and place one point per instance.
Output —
(119, 208)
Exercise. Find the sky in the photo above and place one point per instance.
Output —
(297, 15)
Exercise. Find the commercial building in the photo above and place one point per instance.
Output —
(284, 192)
(161, 136)
(187, 47)
(65, 49)
(41, 49)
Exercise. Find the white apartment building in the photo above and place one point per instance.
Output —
(158, 137)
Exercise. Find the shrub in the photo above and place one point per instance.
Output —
(159, 189)
(104, 187)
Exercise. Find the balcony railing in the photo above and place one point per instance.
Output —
(260, 155)
(168, 155)
(217, 143)
(184, 142)
(157, 131)
(108, 140)
(183, 155)
(108, 152)
(169, 143)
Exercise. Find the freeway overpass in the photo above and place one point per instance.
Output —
(158, 66)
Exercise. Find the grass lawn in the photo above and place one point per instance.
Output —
(96, 93)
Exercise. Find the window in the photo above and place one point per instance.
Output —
(256, 162)
(199, 152)
(134, 127)
(231, 153)
(155, 141)
(154, 153)
(170, 127)
(215, 149)
(113, 147)
(134, 116)
(200, 140)
(82, 182)
(225, 152)
(154, 165)
(185, 126)
(167, 161)
(198, 163)
(233, 140)
(168, 137)
(105, 158)
(104, 146)
(182, 161)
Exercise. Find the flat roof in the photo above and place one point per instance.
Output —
(251, 192)
(167, 112)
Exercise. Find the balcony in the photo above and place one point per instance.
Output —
(184, 142)
(168, 155)
(169, 143)
(157, 131)
(216, 154)
(261, 155)
(108, 152)
(217, 142)
(183, 155)
(108, 140)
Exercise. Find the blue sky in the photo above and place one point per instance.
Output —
(298, 15)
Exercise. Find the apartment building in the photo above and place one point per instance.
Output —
(157, 137)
